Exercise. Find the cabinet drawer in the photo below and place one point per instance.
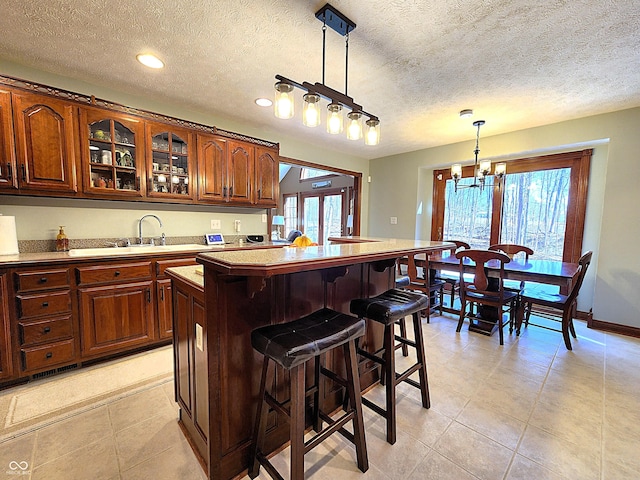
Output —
(162, 265)
(44, 304)
(41, 280)
(114, 273)
(45, 331)
(47, 355)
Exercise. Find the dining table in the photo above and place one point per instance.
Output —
(543, 271)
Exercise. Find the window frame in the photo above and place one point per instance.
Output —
(578, 161)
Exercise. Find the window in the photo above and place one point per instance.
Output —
(541, 204)
(290, 213)
(307, 173)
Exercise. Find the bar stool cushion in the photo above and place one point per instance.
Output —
(389, 306)
(403, 281)
(293, 343)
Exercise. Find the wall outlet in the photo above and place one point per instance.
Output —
(264, 218)
(236, 225)
(393, 220)
(199, 337)
(215, 225)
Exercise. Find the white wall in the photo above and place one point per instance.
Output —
(37, 219)
(612, 225)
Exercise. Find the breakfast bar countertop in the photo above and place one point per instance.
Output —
(269, 262)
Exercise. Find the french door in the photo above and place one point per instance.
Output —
(323, 214)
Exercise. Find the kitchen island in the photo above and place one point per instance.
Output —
(217, 372)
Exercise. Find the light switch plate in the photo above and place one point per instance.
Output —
(215, 225)
(199, 337)
(394, 220)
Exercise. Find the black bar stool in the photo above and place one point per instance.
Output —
(291, 345)
(387, 308)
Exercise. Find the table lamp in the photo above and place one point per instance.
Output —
(277, 221)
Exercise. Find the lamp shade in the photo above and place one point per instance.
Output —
(278, 220)
(284, 100)
(335, 119)
(372, 132)
(311, 110)
(349, 221)
(354, 126)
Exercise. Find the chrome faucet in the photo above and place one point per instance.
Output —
(140, 240)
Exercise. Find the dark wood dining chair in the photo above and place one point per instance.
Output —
(565, 303)
(512, 249)
(452, 281)
(485, 291)
(424, 283)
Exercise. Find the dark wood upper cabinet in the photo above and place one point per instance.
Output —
(45, 142)
(212, 168)
(240, 168)
(8, 171)
(170, 165)
(267, 177)
(113, 155)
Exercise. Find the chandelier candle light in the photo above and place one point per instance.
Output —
(480, 171)
(311, 112)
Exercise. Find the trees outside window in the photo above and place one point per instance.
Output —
(541, 204)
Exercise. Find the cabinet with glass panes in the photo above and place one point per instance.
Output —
(112, 153)
(169, 173)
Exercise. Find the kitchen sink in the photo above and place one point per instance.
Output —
(136, 249)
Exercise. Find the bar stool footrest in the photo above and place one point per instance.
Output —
(375, 407)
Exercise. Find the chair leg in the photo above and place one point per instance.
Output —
(566, 320)
(403, 334)
(422, 372)
(296, 430)
(390, 376)
(260, 425)
(463, 307)
(441, 299)
(319, 393)
(500, 325)
(353, 392)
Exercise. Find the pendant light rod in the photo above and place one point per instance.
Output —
(346, 62)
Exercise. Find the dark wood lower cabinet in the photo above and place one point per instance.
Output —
(116, 317)
(217, 387)
(6, 367)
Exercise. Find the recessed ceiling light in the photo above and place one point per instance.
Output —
(263, 102)
(150, 60)
(466, 113)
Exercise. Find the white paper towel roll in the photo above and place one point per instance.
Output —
(8, 236)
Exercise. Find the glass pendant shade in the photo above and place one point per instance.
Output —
(500, 170)
(485, 168)
(456, 170)
(372, 132)
(311, 110)
(284, 100)
(354, 126)
(334, 119)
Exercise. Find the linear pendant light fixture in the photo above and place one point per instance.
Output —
(480, 172)
(356, 127)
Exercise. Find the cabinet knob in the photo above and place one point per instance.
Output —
(49, 355)
(43, 280)
(117, 273)
(46, 330)
(45, 304)
(9, 174)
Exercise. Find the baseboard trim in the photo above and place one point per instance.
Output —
(627, 330)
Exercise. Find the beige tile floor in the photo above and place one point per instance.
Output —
(527, 410)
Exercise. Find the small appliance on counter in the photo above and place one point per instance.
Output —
(214, 239)
(255, 238)
(8, 236)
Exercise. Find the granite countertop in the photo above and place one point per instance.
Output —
(291, 259)
(191, 274)
(121, 253)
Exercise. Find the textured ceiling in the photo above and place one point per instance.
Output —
(415, 64)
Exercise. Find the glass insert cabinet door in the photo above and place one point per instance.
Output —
(170, 165)
(112, 153)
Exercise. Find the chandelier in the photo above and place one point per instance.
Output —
(357, 126)
(482, 170)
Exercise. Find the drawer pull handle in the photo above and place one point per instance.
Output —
(49, 355)
(45, 304)
(46, 330)
(117, 274)
(43, 280)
